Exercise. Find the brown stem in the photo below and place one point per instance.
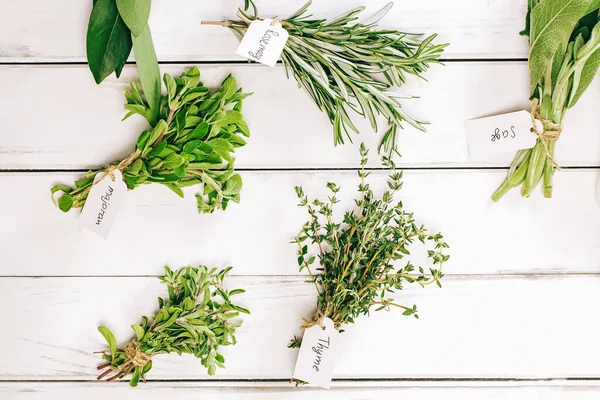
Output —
(219, 23)
(102, 375)
(103, 366)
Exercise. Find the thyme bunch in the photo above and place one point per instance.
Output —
(197, 318)
(347, 65)
(193, 143)
(357, 256)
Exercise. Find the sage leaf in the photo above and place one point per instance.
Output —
(135, 14)
(552, 22)
(147, 63)
(108, 40)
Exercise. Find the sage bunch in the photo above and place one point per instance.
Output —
(115, 27)
(345, 66)
(197, 318)
(192, 143)
(354, 266)
(564, 57)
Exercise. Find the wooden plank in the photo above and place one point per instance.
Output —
(156, 227)
(80, 124)
(248, 391)
(42, 31)
(478, 327)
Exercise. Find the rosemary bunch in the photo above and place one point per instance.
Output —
(347, 65)
(193, 143)
(356, 257)
(563, 60)
(195, 319)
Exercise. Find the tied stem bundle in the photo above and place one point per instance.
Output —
(193, 143)
(197, 318)
(356, 271)
(339, 63)
(563, 60)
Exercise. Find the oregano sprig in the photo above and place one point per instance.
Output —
(197, 318)
(338, 61)
(355, 267)
(192, 143)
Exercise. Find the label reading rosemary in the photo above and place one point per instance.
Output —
(501, 133)
(263, 42)
(103, 203)
(316, 359)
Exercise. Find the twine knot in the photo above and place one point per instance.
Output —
(549, 131)
(109, 170)
(135, 357)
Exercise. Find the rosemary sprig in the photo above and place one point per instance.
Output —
(197, 319)
(357, 256)
(338, 62)
(193, 143)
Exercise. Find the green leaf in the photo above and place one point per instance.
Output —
(139, 331)
(65, 202)
(108, 40)
(147, 63)
(233, 185)
(552, 23)
(108, 335)
(135, 14)
(591, 66)
(135, 378)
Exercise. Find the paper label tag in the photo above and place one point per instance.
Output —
(263, 42)
(500, 134)
(103, 202)
(316, 359)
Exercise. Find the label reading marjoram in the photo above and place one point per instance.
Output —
(103, 202)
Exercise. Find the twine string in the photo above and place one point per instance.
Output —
(550, 131)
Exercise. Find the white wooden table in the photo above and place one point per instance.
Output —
(517, 317)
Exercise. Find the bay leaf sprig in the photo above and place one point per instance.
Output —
(347, 66)
(193, 143)
(197, 318)
(564, 57)
(354, 267)
(114, 28)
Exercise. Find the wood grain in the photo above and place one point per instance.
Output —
(61, 119)
(270, 391)
(156, 227)
(56, 31)
(476, 327)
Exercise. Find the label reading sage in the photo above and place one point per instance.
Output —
(263, 42)
(316, 360)
(500, 134)
(103, 203)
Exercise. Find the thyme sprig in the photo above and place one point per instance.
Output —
(357, 257)
(193, 143)
(340, 63)
(197, 318)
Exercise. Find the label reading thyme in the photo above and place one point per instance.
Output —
(103, 202)
(316, 360)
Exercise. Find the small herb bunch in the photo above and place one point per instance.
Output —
(563, 60)
(115, 27)
(196, 319)
(191, 144)
(336, 61)
(356, 258)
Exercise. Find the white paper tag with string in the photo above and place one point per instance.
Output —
(263, 42)
(316, 360)
(103, 202)
(503, 133)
